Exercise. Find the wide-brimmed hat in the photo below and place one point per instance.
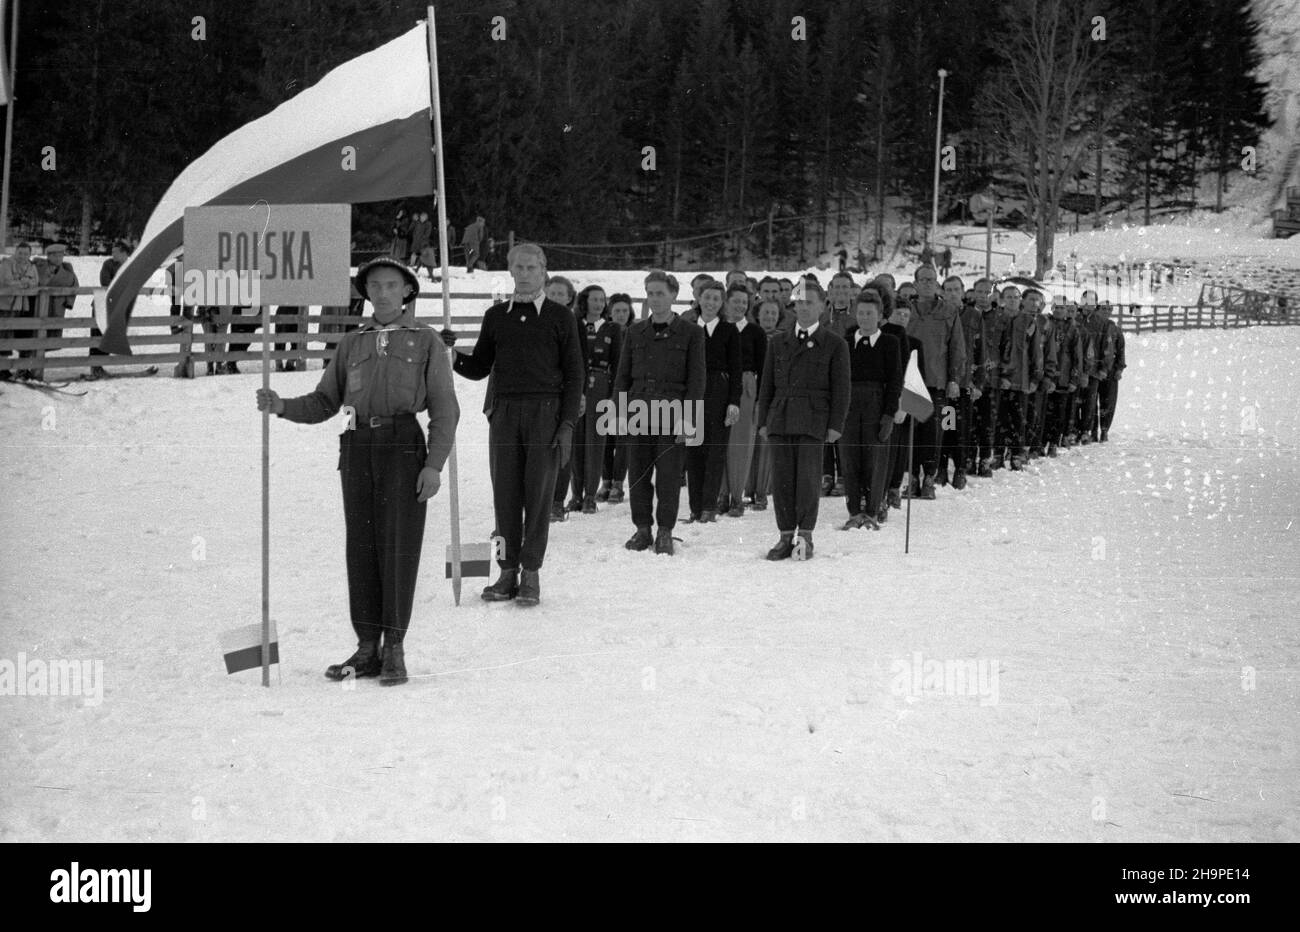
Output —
(391, 263)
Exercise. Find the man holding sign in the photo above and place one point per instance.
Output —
(385, 371)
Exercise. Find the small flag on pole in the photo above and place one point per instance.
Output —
(243, 647)
(477, 559)
(915, 399)
(797, 294)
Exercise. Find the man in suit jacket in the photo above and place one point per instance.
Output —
(530, 346)
(803, 399)
(661, 367)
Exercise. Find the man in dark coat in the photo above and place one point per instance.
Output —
(530, 347)
(803, 400)
(1112, 367)
(661, 369)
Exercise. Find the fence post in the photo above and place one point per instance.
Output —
(185, 330)
(38, 354)
(300, 337)
(1198, 317)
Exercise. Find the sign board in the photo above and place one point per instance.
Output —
(980, 206)
(293, 254)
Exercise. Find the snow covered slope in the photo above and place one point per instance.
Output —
(1135, 602)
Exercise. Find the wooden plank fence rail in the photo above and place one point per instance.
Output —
(189, 339)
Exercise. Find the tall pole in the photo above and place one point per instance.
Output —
(445, 258)
(988, 242)
(12, 79)
(938, 141)
(266, 500)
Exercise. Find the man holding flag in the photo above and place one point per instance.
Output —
(384, 372)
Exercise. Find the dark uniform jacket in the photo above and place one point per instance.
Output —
(753, 347)
(838, 320)
(529, 354)
(665, 367)
(1022, 351)
(880, 363)
(1120, 363)
(410, 375)
(974, 332)
(937, 324)
(722, 354)
(1109, 342)
(804, 390)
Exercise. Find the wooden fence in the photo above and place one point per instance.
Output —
(190, 345)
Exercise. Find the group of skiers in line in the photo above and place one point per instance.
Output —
(415, 245)
(1011, 378)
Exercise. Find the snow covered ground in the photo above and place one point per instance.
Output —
(1124, 610)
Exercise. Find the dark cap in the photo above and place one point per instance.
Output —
(387, 262)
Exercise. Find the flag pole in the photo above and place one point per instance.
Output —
(907, 536)
(266, 500)
(445, 260)
(11, 79)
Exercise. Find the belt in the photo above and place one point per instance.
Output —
(375, 421)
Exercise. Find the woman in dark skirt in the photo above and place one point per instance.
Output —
(706, 463)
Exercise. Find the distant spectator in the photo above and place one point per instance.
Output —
(107, 272)
(945, 260)
(401, 236)
(16, 271)
(421, 232)
(293, 326)
(52, 271)
(472, 240)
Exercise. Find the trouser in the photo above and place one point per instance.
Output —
(250, 327)
(379, 468)
(831, 462)
(898, 451)
(1108, 396)
(1037, 417)
(471, 256)
(760, 470)
(740, 446)
(288, 326)
(1011, 421)
(985, 420)
(523, 469)
(563, 476)
(1059, 404)
(796, 480)
(615, 458)
(1088, 414)
(706, 463)
(864, 456)
(929, 436)
(654, 468)
(589, 443)
(956, 443)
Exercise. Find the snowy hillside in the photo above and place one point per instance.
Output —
(1127, 608)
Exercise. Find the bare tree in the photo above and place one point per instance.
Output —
(1036, 106)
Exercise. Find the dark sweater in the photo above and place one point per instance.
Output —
(722, 354)
(753, 345)
(540, 355)
(881, 363)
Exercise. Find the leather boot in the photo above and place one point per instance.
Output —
(504, 589)
(959, 480)
(927, 488)
(589, 505)
(986, 468)
(783, 547)
(895, 499)
(530, 588)
(641, 540)
(760, 502)
(806, 537)
(883, 514)
(616, 492)
(708, 517)
(602, 494)
(365, 662)
(664, 541)
(394, 668)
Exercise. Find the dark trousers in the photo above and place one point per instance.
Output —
(589, 443)
(956, 443)
(523, 469)
(706, 463)
(1059, 405)
(1011, 421)
(1037, 418)
(863, 455)
(385, 525)
(251, 327)
(830, 462)
(898, 451)
(796, 481)
(654, 468)
(615, 458)
(1108, 396)
(929, 437)
(984, 413)
(1088, 411)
